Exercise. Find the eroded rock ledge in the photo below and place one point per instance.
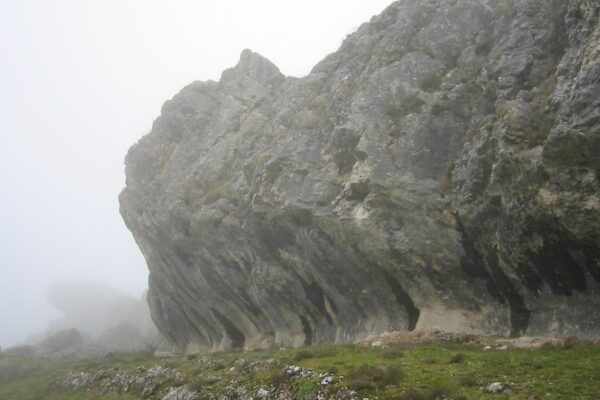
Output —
(440, 169)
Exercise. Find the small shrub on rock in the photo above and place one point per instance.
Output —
(430, 82)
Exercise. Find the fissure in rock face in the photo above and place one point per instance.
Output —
(439, 169)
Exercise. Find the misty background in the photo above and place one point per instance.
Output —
(80, 82)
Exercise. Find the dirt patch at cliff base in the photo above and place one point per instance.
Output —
(438, 336)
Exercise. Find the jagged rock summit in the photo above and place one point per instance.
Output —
(440, 169)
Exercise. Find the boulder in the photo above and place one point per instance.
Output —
(439, 170)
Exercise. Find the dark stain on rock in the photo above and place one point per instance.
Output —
(248, 302)
(308, 332)
(498, 284)
(519, 314)
(560, 260)
(559, 265)
(358, 191)
(404, 299)
(473, 264)
(559, 270)
(316, 296)
(300, 216)
(235, 335)
(592, 260)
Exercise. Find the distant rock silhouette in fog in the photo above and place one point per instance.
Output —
(97, 319)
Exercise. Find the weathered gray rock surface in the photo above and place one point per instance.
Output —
(440, 169)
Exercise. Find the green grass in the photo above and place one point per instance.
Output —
(421, 372)
(307, 388)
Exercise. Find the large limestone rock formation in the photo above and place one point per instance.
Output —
(440, 169)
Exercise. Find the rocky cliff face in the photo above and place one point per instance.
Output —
(440, 169)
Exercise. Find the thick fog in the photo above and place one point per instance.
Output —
(81, 81)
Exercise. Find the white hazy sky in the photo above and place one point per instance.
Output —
(80, 82)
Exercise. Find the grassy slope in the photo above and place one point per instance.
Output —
(411, 373)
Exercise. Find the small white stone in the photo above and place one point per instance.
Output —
(262, 393)
(495, 388)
